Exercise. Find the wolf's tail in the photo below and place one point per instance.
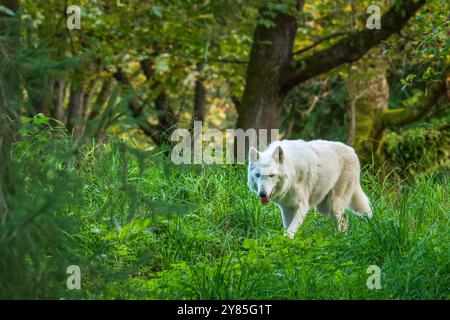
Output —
(360, 204)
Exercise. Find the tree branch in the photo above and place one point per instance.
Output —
(316, 43)
(353, 46)
(137, 110)
(403, 116)
(225, 60)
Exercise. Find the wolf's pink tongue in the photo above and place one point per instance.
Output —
(264, 200)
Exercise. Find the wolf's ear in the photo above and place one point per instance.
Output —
(253, 155)
(278, 155)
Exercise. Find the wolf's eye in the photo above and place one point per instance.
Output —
(257, 175)
(271, 175)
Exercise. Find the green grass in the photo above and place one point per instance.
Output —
(143, 228)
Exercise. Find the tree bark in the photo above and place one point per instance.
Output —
(75, 110)
(60, 93)
(101, 99)
(369, 94)
(199, 99)
(270, 59)
(86, 105)
(166, 117)
(9, 99)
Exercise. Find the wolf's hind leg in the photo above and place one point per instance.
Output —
(341, 220)
(330, 206)
(339, 198)
(336, 206)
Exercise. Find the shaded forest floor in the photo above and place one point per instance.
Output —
(140, 227)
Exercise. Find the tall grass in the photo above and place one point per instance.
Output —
(140, 227)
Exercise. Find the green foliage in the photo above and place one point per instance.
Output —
(34, 239)
(140, 227)
(313, 113)
(424, 148)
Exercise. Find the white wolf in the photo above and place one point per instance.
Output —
(298, 175)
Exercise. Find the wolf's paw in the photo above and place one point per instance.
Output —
(289, 234)
(342, 223)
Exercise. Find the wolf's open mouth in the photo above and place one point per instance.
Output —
(265, 200)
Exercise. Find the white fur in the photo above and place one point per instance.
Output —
(300, 175)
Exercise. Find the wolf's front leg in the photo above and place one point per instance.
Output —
(296, 222)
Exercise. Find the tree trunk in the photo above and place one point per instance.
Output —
(39, 96)
(9, 99)
(270, 59)
(101, 99)
(369, 94)
(60, 92)
(87, 104)
(166, 117)
(75, 110)
(199, 99)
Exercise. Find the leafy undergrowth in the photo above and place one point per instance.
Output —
(143, 228)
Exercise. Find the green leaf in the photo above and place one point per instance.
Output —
(7, 11)
(249, 243)
(25, 119)
(157, 11)
(40, 119)
(427, 74)
(42, 138)
(410, 77)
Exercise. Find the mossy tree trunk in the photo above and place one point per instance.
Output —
(369, 93)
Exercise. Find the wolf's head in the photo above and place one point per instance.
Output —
(265, 172)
